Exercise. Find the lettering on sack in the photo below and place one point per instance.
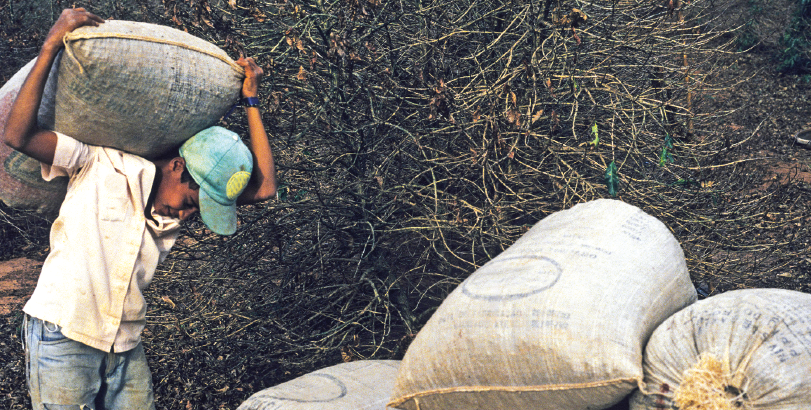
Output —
(782, 339)
(635, 227)
(547, 319)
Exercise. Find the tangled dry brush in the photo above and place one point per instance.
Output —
(416, 139)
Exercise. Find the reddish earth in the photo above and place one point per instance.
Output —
(17, 280)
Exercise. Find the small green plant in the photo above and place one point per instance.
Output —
(612, 179)
(667, 148)
(595, 133)
(796, 53)
(747, 36)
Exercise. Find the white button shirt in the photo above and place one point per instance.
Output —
(104, 251)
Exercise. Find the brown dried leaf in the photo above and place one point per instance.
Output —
(302, 74)
(258, 15)
(548, 83)
(168, 302)
(513, 117)
(537, 115)
(577, 16)
(346, 355)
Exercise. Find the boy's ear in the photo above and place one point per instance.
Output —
(178, 164)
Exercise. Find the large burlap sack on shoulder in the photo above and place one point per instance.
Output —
(360, 385)
(557, 321)
(139, 87)
(745, 349)
(21, 183)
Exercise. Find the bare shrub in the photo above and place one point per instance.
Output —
(417, 139)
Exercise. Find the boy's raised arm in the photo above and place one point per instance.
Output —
(262, 185)
(22, 132)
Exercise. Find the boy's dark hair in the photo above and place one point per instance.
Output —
(186, 177)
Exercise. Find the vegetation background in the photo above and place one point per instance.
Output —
(416, 139)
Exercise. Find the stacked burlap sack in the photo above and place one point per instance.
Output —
(361, 385)
(139, 87)
(744, 349)
(559, 320)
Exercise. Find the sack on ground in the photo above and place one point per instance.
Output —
(359, 385)
(744, 349)
(556, 321)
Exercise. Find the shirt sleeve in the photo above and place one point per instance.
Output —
(70, 155)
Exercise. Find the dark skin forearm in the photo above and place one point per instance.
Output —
(22, 132)
(262, 185)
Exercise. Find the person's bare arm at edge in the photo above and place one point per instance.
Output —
(262, 184)
(22, 132)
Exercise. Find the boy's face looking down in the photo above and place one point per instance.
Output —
(174, 196)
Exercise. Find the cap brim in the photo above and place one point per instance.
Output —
(221, 219)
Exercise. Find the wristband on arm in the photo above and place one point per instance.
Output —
(250, 102)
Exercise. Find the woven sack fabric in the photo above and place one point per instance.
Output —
(359, 385)
(139, 87)
(556, 321)
(744, 349)
(21, 183)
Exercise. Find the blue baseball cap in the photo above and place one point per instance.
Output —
(221, 164)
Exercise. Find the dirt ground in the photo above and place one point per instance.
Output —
(17, 280)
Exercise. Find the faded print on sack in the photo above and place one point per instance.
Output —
(512, 278)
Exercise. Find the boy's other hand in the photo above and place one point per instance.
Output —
(253, 74)
(69, 20)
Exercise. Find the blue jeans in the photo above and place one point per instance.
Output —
(64, 374)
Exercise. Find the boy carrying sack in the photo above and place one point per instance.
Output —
(120, 218)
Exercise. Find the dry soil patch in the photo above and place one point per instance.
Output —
(17, 280)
